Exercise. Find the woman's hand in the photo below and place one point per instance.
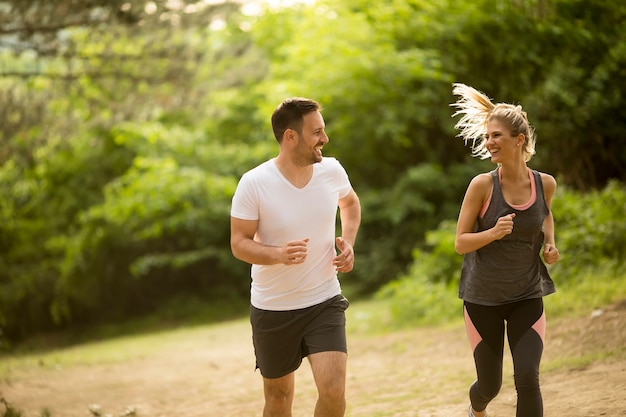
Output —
(503, 227)
(550, 253)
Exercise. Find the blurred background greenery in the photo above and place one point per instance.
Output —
(126, 125)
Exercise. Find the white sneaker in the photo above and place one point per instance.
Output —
(470, 413)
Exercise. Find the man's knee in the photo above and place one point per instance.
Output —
(277, 395)
(279, 392)
(332, 391)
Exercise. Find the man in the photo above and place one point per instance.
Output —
(283, 220)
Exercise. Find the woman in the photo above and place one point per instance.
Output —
(504, 222)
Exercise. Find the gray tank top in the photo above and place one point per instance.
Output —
(509, 269)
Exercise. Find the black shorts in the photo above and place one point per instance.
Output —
(282, 338)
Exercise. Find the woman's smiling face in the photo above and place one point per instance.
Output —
(499, 141)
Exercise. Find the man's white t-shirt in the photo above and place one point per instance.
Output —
(287, 213)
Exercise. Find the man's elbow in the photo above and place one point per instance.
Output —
(234, 248)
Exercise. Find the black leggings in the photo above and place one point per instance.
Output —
(525, 328)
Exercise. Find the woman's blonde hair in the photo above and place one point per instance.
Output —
(476, 110)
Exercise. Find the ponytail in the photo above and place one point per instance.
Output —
(476, 109)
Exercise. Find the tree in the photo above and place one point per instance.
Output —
(78, 178)
(130, 122)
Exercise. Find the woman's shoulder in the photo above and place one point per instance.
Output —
(548, 181)
(545, 176)
(480, 188)
(482, 181)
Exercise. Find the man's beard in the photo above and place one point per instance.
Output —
(306, 157)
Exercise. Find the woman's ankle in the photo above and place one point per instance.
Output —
(475, 413)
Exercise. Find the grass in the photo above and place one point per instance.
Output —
(367, 318)
(414, 301)
(116, 349)
(579, 362)
(587, 291)
(179, 313)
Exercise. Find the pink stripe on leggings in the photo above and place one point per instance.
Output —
(472, 333)
(540, 327)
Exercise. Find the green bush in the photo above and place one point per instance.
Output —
(398, 218)
(590, 230)
(427, 293)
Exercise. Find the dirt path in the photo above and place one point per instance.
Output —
(418, 373)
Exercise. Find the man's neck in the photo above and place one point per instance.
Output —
(298, 176)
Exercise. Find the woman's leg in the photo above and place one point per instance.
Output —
(485, 329)
(526, 332)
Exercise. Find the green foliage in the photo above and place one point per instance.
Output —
(591, 230)
(397, 220)
(124, 200)
(565, 71)
(386, 106)
(39, 208)
(594, 287)
(425, 294)
(123, 138)
(585, 86)
(158, 229)
(418, 301)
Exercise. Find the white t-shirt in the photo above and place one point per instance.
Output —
(288, 213)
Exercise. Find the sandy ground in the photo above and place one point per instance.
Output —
(423, 372)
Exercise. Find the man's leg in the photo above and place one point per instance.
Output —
(329, 372)
(278, 395)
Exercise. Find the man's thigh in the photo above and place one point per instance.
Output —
(282, 338)
(329, 368)
(326, 331)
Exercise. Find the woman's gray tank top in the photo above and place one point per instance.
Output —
(509, 269)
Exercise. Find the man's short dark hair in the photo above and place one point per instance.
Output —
(290, 113)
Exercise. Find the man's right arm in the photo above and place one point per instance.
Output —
(245, 248)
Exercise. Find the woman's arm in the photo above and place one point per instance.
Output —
(476, 195)
(550, 252)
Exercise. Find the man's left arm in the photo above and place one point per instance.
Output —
(350, 216)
